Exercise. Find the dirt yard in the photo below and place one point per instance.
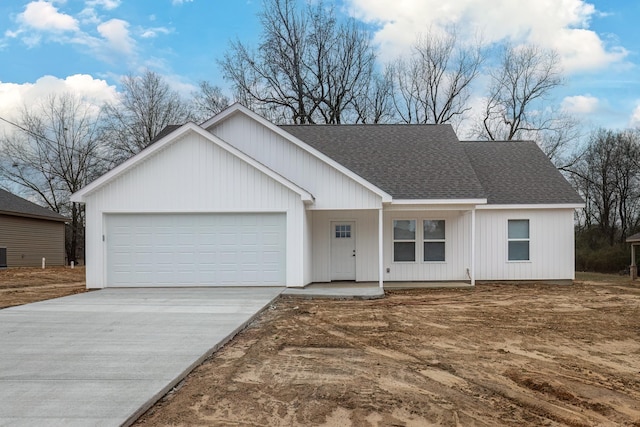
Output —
(24, 285)
(497, 355)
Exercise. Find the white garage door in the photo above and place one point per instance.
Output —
(195, 249)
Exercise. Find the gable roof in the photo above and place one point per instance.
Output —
(415, 162)
(10, 204)
(518, 172)
(238, 108)
(173, 136)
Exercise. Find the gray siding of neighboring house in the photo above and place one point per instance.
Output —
(28, 240)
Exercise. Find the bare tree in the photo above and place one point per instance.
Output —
(433, 84)
(376, 104)
(208, 101)
(146, 106)
(54, 152)
(524, 79)
(608, 177)
(309, 67)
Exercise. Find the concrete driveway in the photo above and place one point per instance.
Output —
(102, 358)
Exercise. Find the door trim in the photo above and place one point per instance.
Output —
(353, 237)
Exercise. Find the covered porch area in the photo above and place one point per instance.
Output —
(635, 242)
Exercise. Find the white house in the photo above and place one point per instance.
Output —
(239, 201)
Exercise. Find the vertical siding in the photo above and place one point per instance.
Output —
(457, 248)
(366, 234)
(29, 240)
(193, 175)
(552, 249)
(331, 188)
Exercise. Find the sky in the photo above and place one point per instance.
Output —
(86, 46)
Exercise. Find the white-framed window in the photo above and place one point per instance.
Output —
(518, 240)
(433, 240)
(404, 240)
(343, 231)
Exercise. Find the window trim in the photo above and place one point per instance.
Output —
(414, 241)
(443, 240)
(519, 239)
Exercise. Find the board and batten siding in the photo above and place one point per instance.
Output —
(190, 175)
(366, 235)
(28, 240)
(551, 247)
(457, 248)
(331, 188)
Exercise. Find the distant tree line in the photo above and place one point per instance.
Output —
(313, 67)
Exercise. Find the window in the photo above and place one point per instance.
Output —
(434, 238)
(404, 240)
(518, 240)
(343, 231)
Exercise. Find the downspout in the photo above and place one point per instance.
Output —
(473, 246)
(380, 252)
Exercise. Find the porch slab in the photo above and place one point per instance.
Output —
(337, 290)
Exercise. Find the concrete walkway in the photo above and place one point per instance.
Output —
(104, 357)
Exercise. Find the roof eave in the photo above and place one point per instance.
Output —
(533, 206)
(33, 216)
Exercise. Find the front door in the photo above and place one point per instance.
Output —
(343, 250)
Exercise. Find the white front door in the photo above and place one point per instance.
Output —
(343, 250)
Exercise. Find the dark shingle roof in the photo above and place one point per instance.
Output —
(406, 161)
(518, 172)
(164, 132)
(10, 204)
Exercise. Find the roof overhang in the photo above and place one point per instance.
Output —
(240, 109)
(534, 206)
(80, 196)
(42, 217)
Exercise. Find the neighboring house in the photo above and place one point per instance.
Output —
(241, 201)
(28, 233)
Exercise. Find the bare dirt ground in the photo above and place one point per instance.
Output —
(515, 355)
(24, 285)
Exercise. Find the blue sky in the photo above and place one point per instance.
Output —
(86, 46)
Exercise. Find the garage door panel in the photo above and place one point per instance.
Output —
(195, 249)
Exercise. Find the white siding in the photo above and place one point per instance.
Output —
(331, 188)
(193, 175)
(366, 233)
(457, 248)
(551, 245)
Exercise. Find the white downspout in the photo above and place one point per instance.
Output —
(473, 246)
(380, 253)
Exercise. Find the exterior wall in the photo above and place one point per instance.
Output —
(193, 175)
(331, 188)
(551, 247)
(457, 247)
(28, 240)
(366, 232)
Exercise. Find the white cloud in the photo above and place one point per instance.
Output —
(116, 34)
(559, 24)
(105, 4)
(14, 96)
(154, 32)
(580, 104)
(179, 2)
(634, 120)
(44, 16)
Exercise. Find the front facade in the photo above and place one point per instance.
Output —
(239, 201)
(29, 233)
